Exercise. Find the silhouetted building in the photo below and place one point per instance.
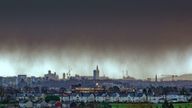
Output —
(1, 81)
(64, 76)
(96, 73)
(51, 76)
(156, 78)
(10, 81)
(21, 81)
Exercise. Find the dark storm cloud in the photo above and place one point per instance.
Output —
(120, 22)
(139, 35)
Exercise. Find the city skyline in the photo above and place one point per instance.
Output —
(99, 76)
(144, 38)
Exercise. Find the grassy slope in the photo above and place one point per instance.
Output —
(183, 105)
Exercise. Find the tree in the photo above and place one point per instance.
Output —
(114, 89)
(52, 98)
(145, 91)
(171, 105)
(184, 91)
(62, 90)
(36, 89)
(44, 89)
(1, 91)
(73, 105)
(150, 93)
(105, 105)
(165, 104)
(165, 92)
(190, 100)
(82, 105)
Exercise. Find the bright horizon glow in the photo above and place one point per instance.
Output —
(140, 66)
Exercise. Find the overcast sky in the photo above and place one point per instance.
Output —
(143, 37)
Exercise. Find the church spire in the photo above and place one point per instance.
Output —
(97, 68)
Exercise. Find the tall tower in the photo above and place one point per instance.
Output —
(97, 69)
(96, 73)
(63, 76)
(156, 78)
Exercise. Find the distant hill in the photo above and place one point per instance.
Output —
(181, 77)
